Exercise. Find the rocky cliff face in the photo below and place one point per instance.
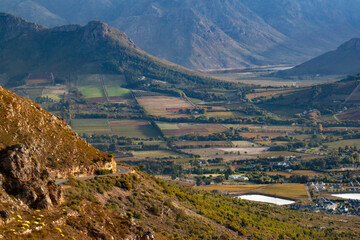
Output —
(24, 177)
(48, 138)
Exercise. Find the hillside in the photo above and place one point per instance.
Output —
(345, 60)
(47, 138)
(35, 148)
(138, 206)
(211, 34)
(94, 48)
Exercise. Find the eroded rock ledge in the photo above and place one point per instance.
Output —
(22, 176)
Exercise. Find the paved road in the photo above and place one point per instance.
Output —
(121, 170)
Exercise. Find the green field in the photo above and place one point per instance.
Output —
(92, 91)
(114, 90)
(167, 126)
(91, 126)
(54, 97)
(34, 92)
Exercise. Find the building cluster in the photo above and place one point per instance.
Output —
(349, 207)
(321, 186)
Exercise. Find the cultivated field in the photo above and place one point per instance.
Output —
(55, 92)
(92, 91)
(40, 79)
(33, 93)
(350, 115)
(126, 128)
(298, 172)
(91, 126)
(163, 105)
(228, 154)
(296, 191)
(132, 128)
(116, 91)
(195, 144)
(90, 86)
(343, 143)
(286, 153)
(154, 154)
(269, 93)
(243, 144)
(221, 114)
(354, 97)
(181, 129)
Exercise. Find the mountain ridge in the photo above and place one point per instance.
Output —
(93, 48)
(273, 32)
(345, 60)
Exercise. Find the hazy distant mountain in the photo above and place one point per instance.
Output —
(212, 34)
(26, 47)
(344, 60)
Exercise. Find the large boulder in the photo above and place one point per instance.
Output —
(25, 178)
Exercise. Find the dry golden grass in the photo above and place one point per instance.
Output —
(163, 102)
(269, 93)
(285, 190)
(297, 191)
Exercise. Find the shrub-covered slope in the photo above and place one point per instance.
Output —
(136, 204)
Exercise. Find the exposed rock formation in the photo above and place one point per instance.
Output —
(25, 178)
(49, 139)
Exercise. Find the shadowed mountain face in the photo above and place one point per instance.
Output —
(212, 34)
(29, 48)
(345, 60)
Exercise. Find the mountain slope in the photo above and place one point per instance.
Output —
(345, 60)
(188, 38)
(212, 34)
(31, 10)
(49, 139)
(93, 48)
(35, 148)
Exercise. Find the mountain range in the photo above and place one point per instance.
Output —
(27, 47)
(214, 34)
(345, 60)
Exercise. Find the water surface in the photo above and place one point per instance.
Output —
(266, 199)
(354, 196)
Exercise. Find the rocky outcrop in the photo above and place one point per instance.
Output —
(49, 138)
(23, 176)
